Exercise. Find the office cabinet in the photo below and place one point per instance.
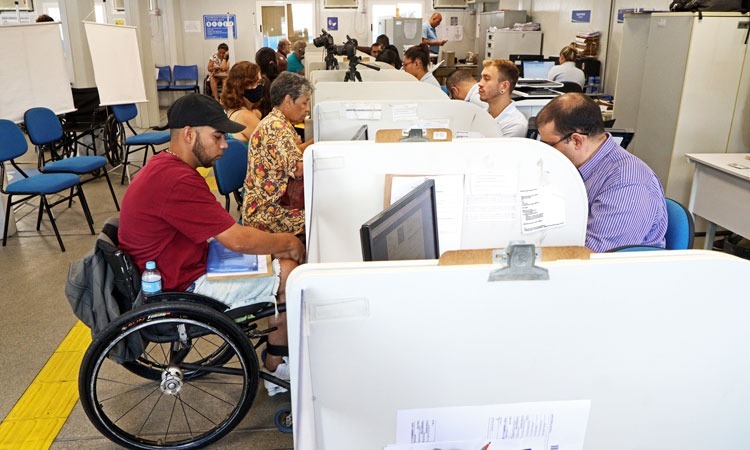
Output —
(499, 20)
(502, 43)
(682, 84)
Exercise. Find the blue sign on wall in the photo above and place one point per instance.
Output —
(216, 26)
(621, 14)
(333, 23)
(581, 16)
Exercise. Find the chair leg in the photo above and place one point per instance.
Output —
(111, 189)
(226, 205)
(145, 153)
(39, 216)
(52, 220)
(7, 219)
(125, 172)
(70, 198)
(86, 210)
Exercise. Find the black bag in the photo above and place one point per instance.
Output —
(709, 5)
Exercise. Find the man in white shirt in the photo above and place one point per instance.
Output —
(461, 85)
(499, 78)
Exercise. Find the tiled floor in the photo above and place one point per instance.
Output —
(36, 318)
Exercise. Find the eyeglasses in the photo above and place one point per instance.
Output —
(564, 138)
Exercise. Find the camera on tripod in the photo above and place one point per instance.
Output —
(349, 49)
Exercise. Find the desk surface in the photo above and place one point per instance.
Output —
(731, 163)
(537, 83)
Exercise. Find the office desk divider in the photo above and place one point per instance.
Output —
(339, 120)
(368, 91)
(660, 360)
(506, 189)
(367, 75)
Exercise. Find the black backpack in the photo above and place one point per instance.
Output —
(709, 5)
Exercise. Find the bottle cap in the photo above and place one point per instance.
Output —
(150, 265)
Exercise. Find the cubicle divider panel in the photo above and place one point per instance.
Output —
(499, 189)
(339, 120)
(375, 91)
(660, 360)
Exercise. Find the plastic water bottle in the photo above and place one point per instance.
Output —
(151, 280)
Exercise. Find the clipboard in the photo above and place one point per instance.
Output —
(396, 135)
(222, 263)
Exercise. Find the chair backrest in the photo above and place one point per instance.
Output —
(12, 141)
(125, 112)
(164, 74)
(231, 168)
(88, 111)
(680, 227)
(42, 125)
(185, 73)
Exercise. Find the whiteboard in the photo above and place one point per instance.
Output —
(662, 361)
(117, 63)
(32, 70)
(345, 187)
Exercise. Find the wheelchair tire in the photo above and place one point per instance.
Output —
(179, 409)
(283, 419)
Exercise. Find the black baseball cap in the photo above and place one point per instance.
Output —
(198, 110)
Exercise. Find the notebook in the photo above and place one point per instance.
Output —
(223, 263)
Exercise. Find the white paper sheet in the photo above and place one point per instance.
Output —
(491, 196)
(363, 111)
(449, 191)
(407, 111)
(532, 426)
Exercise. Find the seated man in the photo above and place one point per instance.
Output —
(461, 85)
(626, 200)
(168, 214)
(499, 78)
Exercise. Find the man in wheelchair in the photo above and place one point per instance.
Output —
(168, 214)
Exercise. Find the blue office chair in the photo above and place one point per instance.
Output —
(136, 142)
(163, 78)
(680, 227)
(45, 130)
(187, 74)
(680, 231)
(230, 171)
(13, 145)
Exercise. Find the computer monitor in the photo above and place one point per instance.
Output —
(361, 134)
(405, 230)
(537, 69)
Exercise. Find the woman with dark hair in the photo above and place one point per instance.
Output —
(265, 58)
(242, 90)
(417, 62)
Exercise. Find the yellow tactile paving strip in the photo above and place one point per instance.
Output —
(42, 410)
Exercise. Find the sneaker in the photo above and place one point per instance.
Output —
(282, 372)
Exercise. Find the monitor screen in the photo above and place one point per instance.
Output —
(361, 134)
(537, 69)
(405, 230)
(621, 135)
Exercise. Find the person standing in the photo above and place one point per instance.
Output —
(283, 49)
(499, 78)
(626, 199)
(429, 33)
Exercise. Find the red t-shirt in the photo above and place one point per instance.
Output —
(167, 215)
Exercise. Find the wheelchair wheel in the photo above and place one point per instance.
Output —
(283, 419)
(178, 409)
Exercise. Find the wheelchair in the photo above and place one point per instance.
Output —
(176, 370)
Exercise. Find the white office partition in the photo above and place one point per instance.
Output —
(367, 75)
(339, 120)
(662, 362)
(32, 70)
(376, 90)
(117, 63)
(497, 190)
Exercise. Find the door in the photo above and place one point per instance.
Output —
(281, 19)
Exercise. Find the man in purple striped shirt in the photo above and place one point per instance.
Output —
(626, 200)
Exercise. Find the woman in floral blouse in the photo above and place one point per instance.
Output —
(274, 158)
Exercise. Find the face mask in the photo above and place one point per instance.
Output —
(254, 95)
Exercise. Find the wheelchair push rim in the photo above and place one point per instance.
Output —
(194, 401)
